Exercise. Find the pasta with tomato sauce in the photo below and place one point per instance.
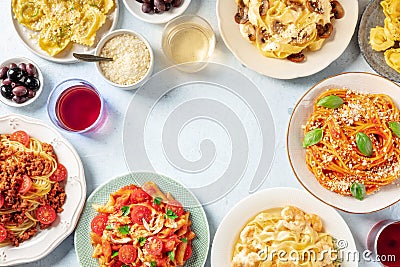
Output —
(31, 187)
(141, 226)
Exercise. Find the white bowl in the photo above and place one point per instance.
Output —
(135, 8)
(18, 60)
(316, 61)
(113, 34)
(363, 82)
(246, 209)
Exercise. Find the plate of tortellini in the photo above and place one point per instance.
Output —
(379, 37)
(56, 29)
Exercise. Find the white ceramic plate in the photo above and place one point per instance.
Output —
(364, 82)
(46, 240)
(241, 213)
(135, 8)
(316, 61)
(66, 55)
(200, 245)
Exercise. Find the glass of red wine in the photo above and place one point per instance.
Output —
(75, 105)
(384, 242)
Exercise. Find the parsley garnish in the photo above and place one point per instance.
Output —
(157, 200)
(115, 254)
(142, 240)
(109, 227)
(171, 214)
(184, 239)
(171, 255)
(153, 264)
(124, 229)
(125, 210)
(125, 265)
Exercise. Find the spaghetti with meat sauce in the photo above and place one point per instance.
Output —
(31, 187)
(352, 141)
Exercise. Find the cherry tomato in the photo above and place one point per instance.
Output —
(139, 212)
(169, 244)
(188, 251)
(176, 207)
(20, 136)
(139, 196)
(26, 184)
(59, 174)
(154, 246)
(99, 224)
(1, 200)
(3, 233)
(127, 254)
(46, 214)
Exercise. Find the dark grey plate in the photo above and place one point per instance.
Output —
(373, 16)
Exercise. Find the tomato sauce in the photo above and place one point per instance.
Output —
(78, 107)
(388, 245)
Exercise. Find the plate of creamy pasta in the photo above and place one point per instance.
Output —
(42, 187)
(142, 219)
(282, 227)
(287, 39)
(47, 31)
(343, 142)
(378, 38)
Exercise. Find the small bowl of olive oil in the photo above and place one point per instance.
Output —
(188, 41)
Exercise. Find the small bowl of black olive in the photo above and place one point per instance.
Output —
(21, 81)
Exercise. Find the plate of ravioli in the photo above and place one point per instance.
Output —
(54, 30)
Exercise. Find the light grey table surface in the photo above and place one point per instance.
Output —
(102, 152)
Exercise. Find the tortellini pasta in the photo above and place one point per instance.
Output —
(281, 29)
(61, 22)
(385, 38)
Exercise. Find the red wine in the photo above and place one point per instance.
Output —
(78, 107)
(388, 245)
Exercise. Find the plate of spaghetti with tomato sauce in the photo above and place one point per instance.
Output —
(42, 189)
(142, 219)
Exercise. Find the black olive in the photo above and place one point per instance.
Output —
(15, 74)
(147, 7)
(3, 72)
(6, 91)
(177, 3)
(32, 83)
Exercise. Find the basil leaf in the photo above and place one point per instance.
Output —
(331, 101)
(171, 214)
(124, 229)
(358, 191)
(109, 227)
(157, 200)
(395, 127)
(115, 254)
(312, 137)
(171, 255)
(125, 265)
(364, 144)
(125, 210)
(153, 264)
(142, 240)
(184, 240)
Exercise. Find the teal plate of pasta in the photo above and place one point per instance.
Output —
(100, 201)
(283, 226)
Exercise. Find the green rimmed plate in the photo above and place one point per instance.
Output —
(200, 226)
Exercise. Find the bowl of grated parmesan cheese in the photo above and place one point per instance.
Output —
(132, 55)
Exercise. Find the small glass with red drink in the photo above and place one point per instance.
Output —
(75, 105)
(384, 242)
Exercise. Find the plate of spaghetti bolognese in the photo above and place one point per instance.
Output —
(42, 189)
(343, 142)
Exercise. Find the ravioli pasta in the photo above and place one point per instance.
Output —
(386, 38)
(61, 22)
(281, 29)
(284, 237)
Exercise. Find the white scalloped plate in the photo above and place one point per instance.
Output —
(46, 240)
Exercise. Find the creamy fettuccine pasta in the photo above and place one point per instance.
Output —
(386, 38)
(284, 237)
(284, 29)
